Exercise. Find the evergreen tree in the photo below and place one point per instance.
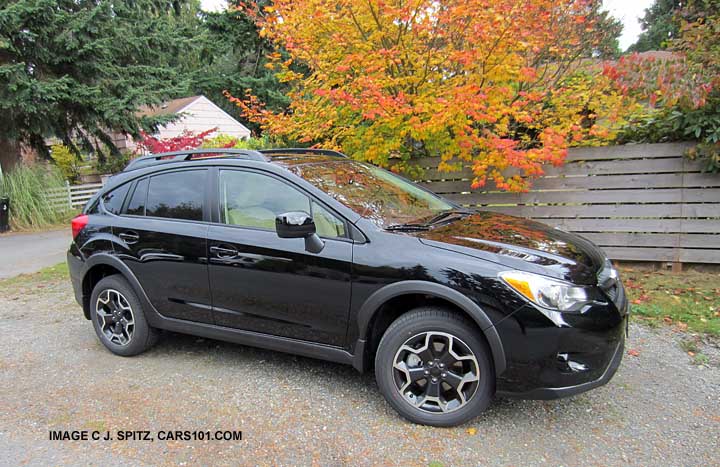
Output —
(77, 69)
(611, 29)
(234, 61)
(659, 26)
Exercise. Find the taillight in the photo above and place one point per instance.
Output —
(78, 223)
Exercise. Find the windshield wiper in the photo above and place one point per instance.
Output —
(444, 215)
(430, 222)
(409, 226)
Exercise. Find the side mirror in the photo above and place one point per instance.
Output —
(299, 224)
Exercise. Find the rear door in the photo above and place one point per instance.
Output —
(267, 284)
(163, 232)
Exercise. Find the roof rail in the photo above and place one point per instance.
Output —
(325, 152)
(179, 156)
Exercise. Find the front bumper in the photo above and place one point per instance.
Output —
(559, 392)
(547, 361)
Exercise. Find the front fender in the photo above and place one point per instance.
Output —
(381, 296)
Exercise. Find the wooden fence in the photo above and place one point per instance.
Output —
(638, 202)
(73, 196)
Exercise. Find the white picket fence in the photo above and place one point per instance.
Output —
(72, 196)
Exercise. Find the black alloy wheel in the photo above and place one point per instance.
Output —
(119, 319)
(436, 372)
(433, 366)
(115, 317)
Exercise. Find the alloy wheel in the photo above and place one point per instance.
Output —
(115, 317)
(436, 372)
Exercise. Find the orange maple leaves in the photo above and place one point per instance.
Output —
(482, 83)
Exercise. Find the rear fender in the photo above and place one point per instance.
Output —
(106, 259)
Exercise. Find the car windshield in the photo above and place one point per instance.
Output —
(373, 193)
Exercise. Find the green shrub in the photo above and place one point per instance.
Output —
(66, 161)
(678, 124)
(227, 141)
(113, 163)
(28, 188)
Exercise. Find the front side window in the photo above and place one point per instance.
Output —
(177, 195)
(327, 224)
(373, 193)
(249, 199)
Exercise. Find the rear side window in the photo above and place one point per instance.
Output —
(113, 201)
(94, 209)
(177, 195)
(136, 207)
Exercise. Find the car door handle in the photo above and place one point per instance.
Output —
(223, 252)
(130, 237)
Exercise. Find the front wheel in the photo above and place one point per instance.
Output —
(434, 368)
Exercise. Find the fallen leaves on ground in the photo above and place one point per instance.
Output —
(689, 301)
(641, 299)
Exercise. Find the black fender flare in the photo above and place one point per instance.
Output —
(107, 259)
(379, 297)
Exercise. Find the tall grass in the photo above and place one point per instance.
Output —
(28, 188)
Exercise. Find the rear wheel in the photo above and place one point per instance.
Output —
(118, 317)
(434, 368)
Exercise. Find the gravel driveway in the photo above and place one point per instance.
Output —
(54, 374)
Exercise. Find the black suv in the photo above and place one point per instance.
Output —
(309, 252)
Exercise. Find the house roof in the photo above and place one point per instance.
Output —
(167, 108)
(590, 64)
(659, 55)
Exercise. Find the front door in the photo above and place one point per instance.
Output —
(164, 232)
(267, 284)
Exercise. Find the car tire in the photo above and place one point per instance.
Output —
(412, 350)
(119, 319)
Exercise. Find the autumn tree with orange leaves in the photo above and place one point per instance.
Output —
(492, 84)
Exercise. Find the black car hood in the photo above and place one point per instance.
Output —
(519, 244)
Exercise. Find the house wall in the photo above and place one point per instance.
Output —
(203, 115)
(123, 142)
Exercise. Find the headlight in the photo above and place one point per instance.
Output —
(546, 292)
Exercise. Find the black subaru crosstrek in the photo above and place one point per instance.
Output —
(309, 252)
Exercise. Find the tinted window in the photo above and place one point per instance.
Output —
(250, 199)
(373, 193)
(327, 225)
(136, 206)
(94, 209)
(113, 201)
(177, 195)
